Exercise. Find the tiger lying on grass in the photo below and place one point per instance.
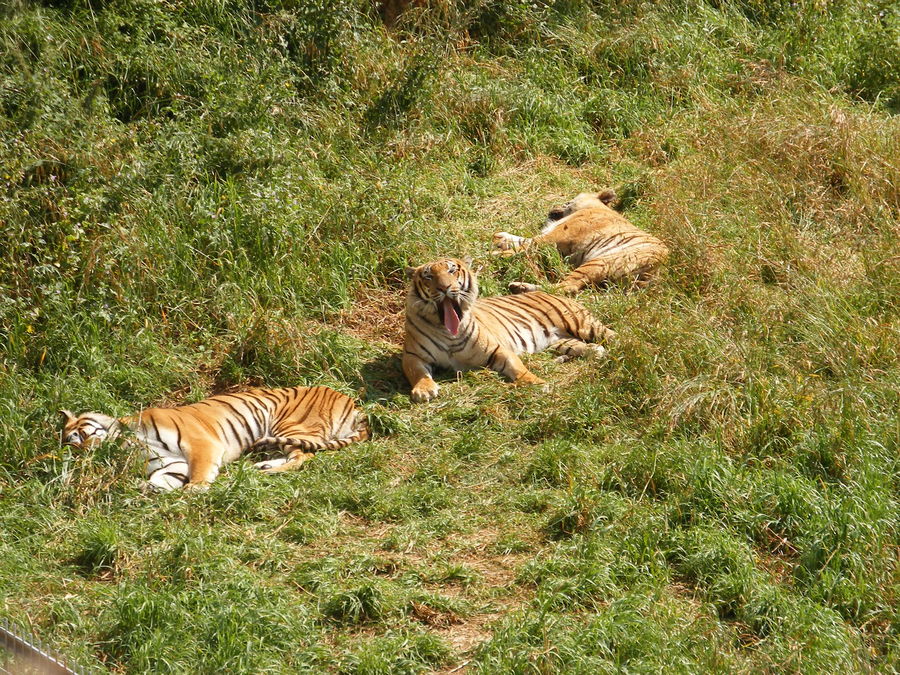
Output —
(447, 325)
(600, 243)
(186, 446)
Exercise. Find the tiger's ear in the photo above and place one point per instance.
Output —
(607, 196)
(66, 415)
(409, 272)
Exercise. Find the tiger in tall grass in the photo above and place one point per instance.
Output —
(186, 446)
(598, 241)
(449, 326)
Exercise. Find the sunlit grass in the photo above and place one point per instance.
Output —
(206, 196)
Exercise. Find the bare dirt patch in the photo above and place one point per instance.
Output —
(377, 315)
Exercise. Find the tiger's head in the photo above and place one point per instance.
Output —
(445, 288)
(586, 200)
(87, 430)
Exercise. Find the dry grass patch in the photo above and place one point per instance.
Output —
(376, 315)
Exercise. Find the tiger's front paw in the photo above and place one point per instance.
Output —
(599, 351)
(522, 287)
(164, 482)
(424, 391)
(270, 464)
(200, 486)
(529, 378)
(506, 244)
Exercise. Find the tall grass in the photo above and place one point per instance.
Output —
(207, 196)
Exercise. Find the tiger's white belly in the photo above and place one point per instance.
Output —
(542, 340)
(462, 355)
(531, 338)
(166, 470)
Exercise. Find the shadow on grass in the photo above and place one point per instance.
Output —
(382, 378)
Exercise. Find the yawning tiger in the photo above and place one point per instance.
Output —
(447, 325)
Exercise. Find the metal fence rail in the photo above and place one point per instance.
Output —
(21, 655)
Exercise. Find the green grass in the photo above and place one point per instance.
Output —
(215, 195)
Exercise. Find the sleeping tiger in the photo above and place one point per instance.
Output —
(602, 245)
(186, 446)
(447, 325)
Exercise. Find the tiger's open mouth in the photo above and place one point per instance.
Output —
(452, 315)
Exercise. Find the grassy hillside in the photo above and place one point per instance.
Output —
(209, 195)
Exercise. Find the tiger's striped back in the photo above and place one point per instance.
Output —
(531, 322)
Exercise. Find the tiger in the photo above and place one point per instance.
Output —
(449, 326)
(598, 241)
(186, 446)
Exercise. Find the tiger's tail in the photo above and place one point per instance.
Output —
(360, 433)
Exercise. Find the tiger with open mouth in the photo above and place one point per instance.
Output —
(449, 326)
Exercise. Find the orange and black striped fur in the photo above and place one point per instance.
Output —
(449, 326)
(186, 446)
(598, 241)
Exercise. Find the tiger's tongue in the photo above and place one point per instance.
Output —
(451, 318)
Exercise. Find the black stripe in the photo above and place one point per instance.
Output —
(237, 436)
(283, 396)
(523, 313)
(505, 324)
(180, 476)
(223, 433)
(236, 411)
(547, 319)
(490, 361)
(255, 408)
(177, 431)
(310, 405)
(269, 396)
(554, 303)
(158, 436)
(290, 409)
(349, 408)
(422, 334)
(427, 351)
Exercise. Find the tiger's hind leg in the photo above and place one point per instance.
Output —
(570, 348)
(644, 276)
(587, 328)
(593, 272)
(569, 286)
(639, 266)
